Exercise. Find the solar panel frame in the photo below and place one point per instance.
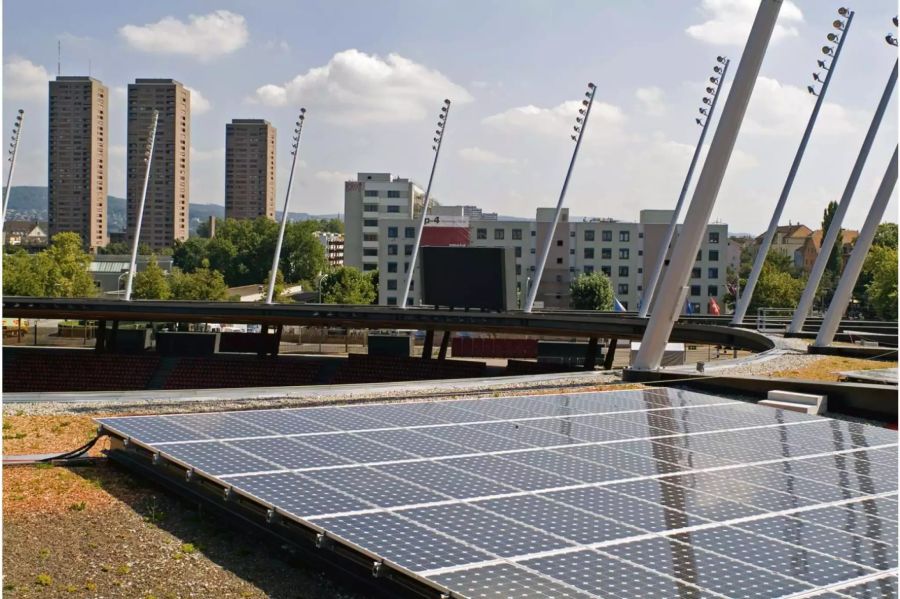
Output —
(526, 452)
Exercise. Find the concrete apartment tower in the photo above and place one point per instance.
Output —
(249, 169)
(78, 157)
(168, 193)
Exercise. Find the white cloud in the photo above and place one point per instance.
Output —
(203, 36)
(476, 154)
(728, 22)
(354, 87)
(651, 100)
(553, 121)
(24, 80)
(778, 109)
(199, 104)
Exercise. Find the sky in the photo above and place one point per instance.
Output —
(373, 75)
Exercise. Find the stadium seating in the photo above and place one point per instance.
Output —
(520, 367)
(76, 371)
(491, 347)
(217, 373)
(363, 368)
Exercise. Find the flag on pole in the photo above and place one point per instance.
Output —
(617, 305)
(688, 309)
(640, 303)
(713, 307)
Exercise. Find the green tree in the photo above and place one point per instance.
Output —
(881, 265)
(302, 256)
(151, 283)
(833, 265)
(347, 285)
(188, 255)
(278, 291)
(124, 249)
(776, 288)
(202, 284)
(374, 278)
(591, 291)
(69, 267)
(886, 235)
(25, 274)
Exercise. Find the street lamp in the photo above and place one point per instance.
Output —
(843, 25)
(321, 277)
(438, 140)
(295, 151)
(581, 125)
(13, 148)
(713, 91)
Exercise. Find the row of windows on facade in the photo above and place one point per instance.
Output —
(391, 208)
(391, 193)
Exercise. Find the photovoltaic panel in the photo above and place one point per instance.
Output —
(640, 493)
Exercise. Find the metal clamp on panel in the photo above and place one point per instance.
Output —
(271, 515)
(189, 475)
(322, 540)
(376, 569)
(227, 493)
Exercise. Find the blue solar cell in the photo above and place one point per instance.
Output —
(497, 497)
(402, 541)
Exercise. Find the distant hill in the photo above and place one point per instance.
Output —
(30, 203)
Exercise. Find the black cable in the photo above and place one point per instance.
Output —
(75, 453)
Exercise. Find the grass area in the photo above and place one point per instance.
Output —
(26, 434)
(827, 368)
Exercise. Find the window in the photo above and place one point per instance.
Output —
(370, 251)
(713, 273)
(391, 301)
(559, 243)
(370, 207)
(589, 235)
(392, 266)
(588, 269)
(695, 307)
(623, 288)
(588, 253)
(572, 252)
(517, 233)
(393, 208)
(607, 270)
(623, 271)
(480, 233)
(714, 237)
(695, 290)
(712, 290)
(699, 255)
(518, 251)
(499, 234)
(533, 233)
(623, 253)
(393, 194)
(606, 236)
(392, 249)
(532, 250)
(370, 237)
(559, 260)
(371, 193)
(606, 254)
(409, 232)
(370, 222)
(696, 272)
(370, 266)
(624, 235)
(392, 284)
(407, 249)
(518, 269)
(713, 255)
(392, 232)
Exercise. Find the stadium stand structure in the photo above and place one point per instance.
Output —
(219, 373)
(363, 368)
(76, 370)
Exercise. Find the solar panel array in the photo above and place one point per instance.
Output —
(637, 493)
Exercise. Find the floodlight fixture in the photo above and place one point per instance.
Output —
(584, 102)
(721, 59)
(699, 122)
(827, 50)
(711, 91)
(574, 137)
(717, 69)
(833, 38)
(704, 111)
(576, 128)
(843, 11)
(894, 20)
(714, 80)
(811, 90)
(838, 24)
(822, 64)
(816, 77)
(889, 38)
(706, 100)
